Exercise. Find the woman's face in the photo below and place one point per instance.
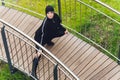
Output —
(50, 15)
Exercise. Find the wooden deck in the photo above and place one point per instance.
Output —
(83, 59)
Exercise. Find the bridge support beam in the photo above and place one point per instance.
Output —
(59, 9)
(2, 2)
(56, 72)
(12, 69)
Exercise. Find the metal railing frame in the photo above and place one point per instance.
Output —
(117, 58)
(108, 7)
(76, 31)
(6, 49)
(48, 52)
(37, 50)
(59, 8)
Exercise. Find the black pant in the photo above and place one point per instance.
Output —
(47, 40)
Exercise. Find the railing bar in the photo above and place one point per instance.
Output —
(86, 18)
(91, 17)
(26, 59)
(43, 67)
(48, 70)
(38, 70)
(20, 50)
(28, 62)
(15, 49)
(13, 41)
(75, 12)
(65, 73)
(70, 8)
(65, 11)
(27, 56)
(23, 59)
(59, 74)
(54, 64)
(10, 45)
(80, 16)
(107, 6)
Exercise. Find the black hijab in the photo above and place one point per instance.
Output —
(49, 9)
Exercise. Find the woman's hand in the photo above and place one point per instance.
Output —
(66, 32)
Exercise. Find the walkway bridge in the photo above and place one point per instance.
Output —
(74, 58)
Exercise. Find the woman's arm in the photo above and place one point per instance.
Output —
(57, 18)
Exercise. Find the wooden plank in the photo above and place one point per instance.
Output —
(82, 44)
(66, 47)
(104, 71)
(60, 43)
(71, 49)
(77, 55)
(1, 9)
(116, 76)
(15, 18)
(32, 31)
(94, 60)
(24, 23)
(86, 62)
(93, 68)
(100, 69)
(4, 12)
(111, 73)
(9, 15)
(80, 59)
(31, 25)
(19, 20)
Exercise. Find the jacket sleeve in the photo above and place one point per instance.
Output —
(57, 18)
(62, 28)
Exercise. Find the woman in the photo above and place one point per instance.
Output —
(50, 28)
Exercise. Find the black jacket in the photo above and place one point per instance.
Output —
(49, 29)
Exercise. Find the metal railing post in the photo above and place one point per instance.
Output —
(56, 72)
(59, 8)
(2, 2)
(12, 70)
(119, 56)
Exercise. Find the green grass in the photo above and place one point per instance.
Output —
(5, 73)
(113, 3)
